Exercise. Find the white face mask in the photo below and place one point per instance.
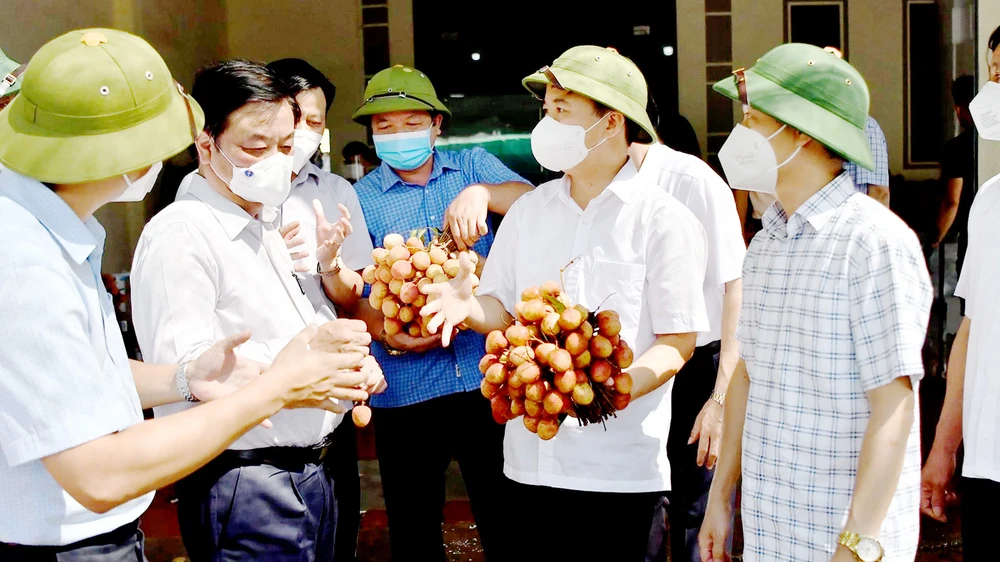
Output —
(354, 171)
(985, 110)
(749, 160)
(560, 147)
(138, 189)
(267, 181)
(306, 143)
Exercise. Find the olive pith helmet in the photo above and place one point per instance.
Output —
(10, 82)
(95, 104)
(812, 90)
(399, 88)
(603, 75)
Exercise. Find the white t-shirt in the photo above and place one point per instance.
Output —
(695, 184)
(977, 285)
(635, 250)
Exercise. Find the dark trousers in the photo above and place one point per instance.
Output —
(342, 466)
(124, 544)
(685, 504)
(232, 512)
(415, 444)
(979, 502)
(582, 526)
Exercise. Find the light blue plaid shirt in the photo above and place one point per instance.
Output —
(880, 151)
(836, 300)
(392, 206)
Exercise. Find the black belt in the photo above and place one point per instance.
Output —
(278, 456)
(26, 552)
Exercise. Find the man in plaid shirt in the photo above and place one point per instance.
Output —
(433, 410)
(819, 416)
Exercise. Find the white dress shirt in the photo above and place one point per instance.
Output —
(204, 270)
(836, 300)
(638, 251)
(65, 378)
(981, 398)
(695, 184)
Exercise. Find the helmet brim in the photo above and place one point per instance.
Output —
(50, 157)
(841, 136)
(599, 92)
(389, 104)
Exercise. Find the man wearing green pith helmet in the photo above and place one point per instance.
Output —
(626, 245)
(97, 114)
(417, 186)
(820, 413)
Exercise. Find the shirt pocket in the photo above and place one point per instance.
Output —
(618, 286)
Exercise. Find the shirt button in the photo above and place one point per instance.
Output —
(433, 218)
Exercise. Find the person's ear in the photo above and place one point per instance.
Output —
(204, 145)
(616, 124)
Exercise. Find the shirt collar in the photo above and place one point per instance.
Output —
(79, 239)
(623, 185)
(817, 210)
(231, 216)
(442, 161)
(308, 171)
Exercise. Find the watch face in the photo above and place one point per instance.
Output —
(869, 550)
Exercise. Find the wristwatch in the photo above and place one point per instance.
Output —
(864, 548)
(718, 397)
(388, 348)
(180, 377)
(332, 272)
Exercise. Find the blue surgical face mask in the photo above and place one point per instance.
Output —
(404, 151)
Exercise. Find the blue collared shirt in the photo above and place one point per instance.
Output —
(880, 152)
(65, 377)
(392, 206)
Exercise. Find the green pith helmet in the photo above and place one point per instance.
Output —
(399, 88)
(95, 104)
(7, 68)
(813, 91)
(602, 75)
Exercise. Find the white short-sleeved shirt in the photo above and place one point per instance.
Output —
(836, 300)
(65, 377)
(330, 189)
(356, 252)
(695, 184)
(981, 398)
(204, 270)
(638, 251)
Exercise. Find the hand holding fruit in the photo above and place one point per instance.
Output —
(406, 342)
(467, 214)
(343, 336)
(330, 237)
(453, 301)
(401, 270)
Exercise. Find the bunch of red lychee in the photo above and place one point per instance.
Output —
(556, 359)
(401, 270)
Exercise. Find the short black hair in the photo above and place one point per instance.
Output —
(994, 39)
(301, 76)
(223, 88)
(963, 89)
(632, 130)
(358, 148)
